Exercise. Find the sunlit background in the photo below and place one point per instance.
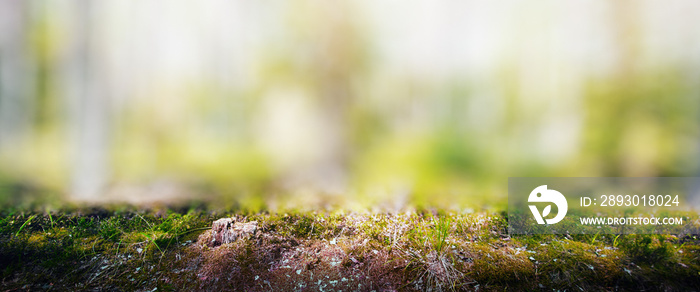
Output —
(353, 104)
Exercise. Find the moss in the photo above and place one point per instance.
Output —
(503, 267)
(131, 249)
(565, 263)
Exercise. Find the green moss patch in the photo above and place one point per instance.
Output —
(132, 249)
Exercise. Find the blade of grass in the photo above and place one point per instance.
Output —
(144, 220)
(615, 241)
(25, 224)
(50, 218)
(118, 244)
(594, 237)
(8, 217)
(153, 241)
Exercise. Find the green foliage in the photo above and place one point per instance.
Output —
(440, 232)
(652, 249)
(129, 248)
(110, 229)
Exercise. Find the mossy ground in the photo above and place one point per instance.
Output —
(124, 248)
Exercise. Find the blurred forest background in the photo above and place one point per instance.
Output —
(272, 104)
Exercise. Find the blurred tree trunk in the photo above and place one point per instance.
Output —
(88, 107)
(341, 59)
(15, 71)
(627, 24)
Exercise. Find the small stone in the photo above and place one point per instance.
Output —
(226, 230)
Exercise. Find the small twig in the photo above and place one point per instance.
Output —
(144, 220)
(194, 229)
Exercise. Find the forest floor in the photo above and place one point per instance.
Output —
(165, 249)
